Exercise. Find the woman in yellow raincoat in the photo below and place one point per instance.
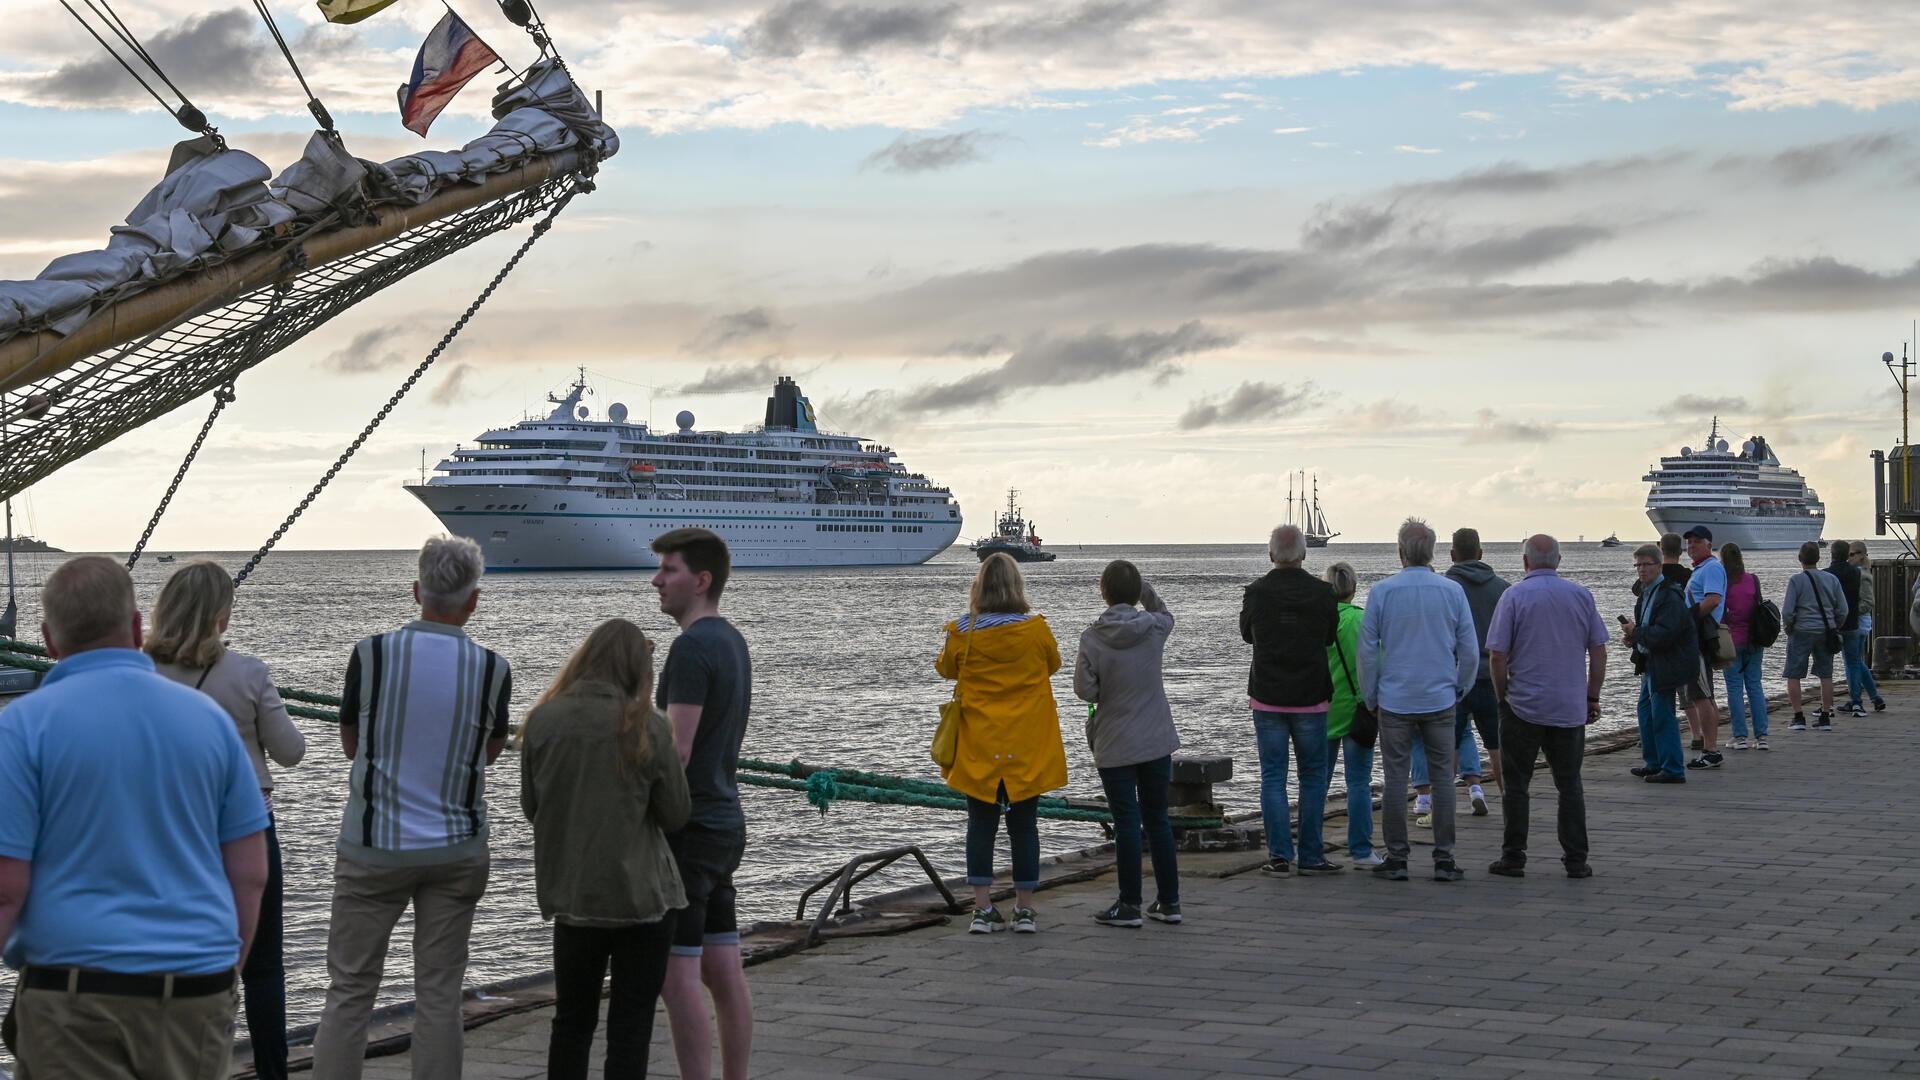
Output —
(1003, 657)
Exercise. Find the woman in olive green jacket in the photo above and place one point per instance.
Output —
(602, 784)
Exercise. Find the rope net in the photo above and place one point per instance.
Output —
(58, 419)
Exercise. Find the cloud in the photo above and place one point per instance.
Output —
(207, 55)
(1408, 148)
(1488, 427)
(1345, 227)
(1385, 415)
(1462, 87)
(1147, 129)
(790, 29)
(729, 380)
(370, 350)
(1513, 178)
(453, 388)
(751, 324)
(1485, 258)
(1801, 165)
(907, 154)
(1701, 405)
(1250, 402)
(1481, 116)
(1292, 130)
(1056, 361)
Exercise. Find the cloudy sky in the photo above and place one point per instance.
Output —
(1141, 258)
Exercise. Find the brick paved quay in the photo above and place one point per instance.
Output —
(1762, 920)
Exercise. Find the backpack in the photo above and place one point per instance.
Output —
(1763, 626)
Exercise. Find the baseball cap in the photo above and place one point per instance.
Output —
(1700, 531)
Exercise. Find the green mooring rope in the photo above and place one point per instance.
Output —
(822, 786)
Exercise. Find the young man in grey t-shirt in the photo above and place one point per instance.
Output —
(706, 690)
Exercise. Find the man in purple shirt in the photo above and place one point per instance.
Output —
(1546, 635)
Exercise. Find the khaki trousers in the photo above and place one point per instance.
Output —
(109, 1037)
(367, 902)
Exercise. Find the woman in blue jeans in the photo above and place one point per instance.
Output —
(1130, 730)
(1746, 697)
(1291, 620)
(1340, 743)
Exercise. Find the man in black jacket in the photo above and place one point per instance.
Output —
(1290, 618)
(1667, 647)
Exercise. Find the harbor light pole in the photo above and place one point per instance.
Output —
(1902, 375)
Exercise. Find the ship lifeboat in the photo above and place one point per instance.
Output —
(641, 468)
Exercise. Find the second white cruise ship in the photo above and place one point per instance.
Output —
(571, 492)
(1747, 498)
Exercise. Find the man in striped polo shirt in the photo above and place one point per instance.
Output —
(425, 713)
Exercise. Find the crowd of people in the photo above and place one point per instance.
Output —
(134, 919)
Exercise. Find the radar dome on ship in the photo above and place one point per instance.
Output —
(617, 413)
(1686, 451)
(1722, 446)
(685, 420)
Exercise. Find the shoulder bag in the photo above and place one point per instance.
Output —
(1366, 726)
(946, 737)
(1763, 626)
(1831, 641)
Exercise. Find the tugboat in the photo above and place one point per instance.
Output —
(1014, 535)
(1315, 527)
(1612, 540)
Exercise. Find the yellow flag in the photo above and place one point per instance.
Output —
(350, 11)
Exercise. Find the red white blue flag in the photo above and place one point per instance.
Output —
(450, 57)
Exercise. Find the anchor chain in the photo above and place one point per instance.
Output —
(540, 229)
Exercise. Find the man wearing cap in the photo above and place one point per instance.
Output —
(1706, 598)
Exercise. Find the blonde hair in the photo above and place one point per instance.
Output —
(186, 618)
(617, 652)
(998, 588)
(1345, 583)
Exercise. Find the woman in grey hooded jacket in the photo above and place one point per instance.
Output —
(1130, 730)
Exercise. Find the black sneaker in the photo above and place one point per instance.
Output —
(1879, 705)
(1127, 915)
(1506, 867)
(1277, 868)
(1391, 870)
(1579, 870)
(1447, 871)
(1664, 778)
(1858, 712)
(1643, 770)
(1823, 723)
(1161, 911)
(1715, 757)
(1704, 761)
(1319, 868)
(1799, 722)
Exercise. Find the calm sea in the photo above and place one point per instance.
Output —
(843, 675)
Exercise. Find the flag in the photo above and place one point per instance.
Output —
(450, 57)
(351, 11)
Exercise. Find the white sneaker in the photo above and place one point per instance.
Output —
(1425, 821)
(1739, 742)
(1423, 804)
(1479, 800)
(1371, 860)
(1760, 743)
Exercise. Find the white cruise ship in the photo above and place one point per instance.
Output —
(1746, 498)
(574, 492)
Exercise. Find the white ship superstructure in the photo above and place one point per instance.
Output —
(1746, 497)
(571, 492)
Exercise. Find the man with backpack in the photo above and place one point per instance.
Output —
(1754, 623)
(1812, 614)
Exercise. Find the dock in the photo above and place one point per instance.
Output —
(1761, 920)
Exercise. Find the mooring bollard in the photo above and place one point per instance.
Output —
(1191, 793)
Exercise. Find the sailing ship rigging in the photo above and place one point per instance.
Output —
(1313, 522)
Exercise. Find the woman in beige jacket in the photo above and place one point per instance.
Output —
(185, 643)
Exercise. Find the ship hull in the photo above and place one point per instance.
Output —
(545, 530)
(1750, 532)
(1016, 552)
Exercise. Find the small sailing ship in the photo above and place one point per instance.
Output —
(1313, 523)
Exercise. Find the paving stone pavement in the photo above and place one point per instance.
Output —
(1761, 920)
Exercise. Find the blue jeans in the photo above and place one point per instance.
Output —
(1359, 776)
(1023, 836)
(1464, 749)
(1308, 732)
(1660, 729)
(1743, 686)
(265, 975)
(1137, 795)
(1859, 676)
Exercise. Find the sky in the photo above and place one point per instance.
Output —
(1141, 259)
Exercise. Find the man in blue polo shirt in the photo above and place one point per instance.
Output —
(132, 851)
(1706, 599)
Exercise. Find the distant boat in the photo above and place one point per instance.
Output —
(164, 558)
(1314, 524)
(1612, 540)
(1014, 536)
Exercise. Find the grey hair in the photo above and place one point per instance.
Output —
(450, 569)
(1287, 545)
(1543, 556)
(1344, 581)
(1416, 542)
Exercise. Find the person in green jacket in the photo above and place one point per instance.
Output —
(1341, 663)
(602, 784)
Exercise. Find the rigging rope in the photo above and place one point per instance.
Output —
(582, 182)
(319, 111)
(187, 114)
(221, 399)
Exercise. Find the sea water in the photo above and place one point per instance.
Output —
(843, 675)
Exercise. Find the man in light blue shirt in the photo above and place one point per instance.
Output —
(132, 851)
(1706, 598)
(1419, 655)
